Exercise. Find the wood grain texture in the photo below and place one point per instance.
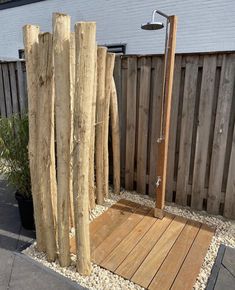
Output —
(115, 138)
(229, 205)
(61, 54)
(46, 141)
(21, 89)
(117, 256)
(145, 273)
(155, 122)
(163, 146)
(2, 96)
(109, 244)
(136, 257)
(99, 144)
(143, 116)
(130, 122)
(14, 98)
(7, 89)
(110, 60)
(189, 98)
(173, 128)
(220, 134)
(85, 39)
(203, 130)
(31, 54)
(192, 264)
(167, 274)
(72, 61)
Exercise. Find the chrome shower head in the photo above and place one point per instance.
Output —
(153, 25)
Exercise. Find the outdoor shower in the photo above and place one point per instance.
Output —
(168, 71)
(154, 25)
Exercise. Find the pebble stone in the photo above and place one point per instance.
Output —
(101, 279)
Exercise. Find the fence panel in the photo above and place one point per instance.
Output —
(201, 146)
(13, 96)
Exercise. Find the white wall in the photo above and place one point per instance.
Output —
(204, 25)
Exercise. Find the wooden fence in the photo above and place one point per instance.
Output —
(202, 139)
(13, 96)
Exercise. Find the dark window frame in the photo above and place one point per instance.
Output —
(16, 3)
(119, 48)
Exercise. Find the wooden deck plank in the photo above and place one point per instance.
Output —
(107, 246)
(167, 272)
(132, 262)
(144, 275)
(106, 222)
(192, 264)
(115, 258)
(114, 219)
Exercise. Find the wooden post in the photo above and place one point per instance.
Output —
(100, 98)
(163, 145)
(115, 138)
(92, 147)
(61, 51)
(31, 54)
(45, 139)
(72, 92)
(85, 39)
(110, 60)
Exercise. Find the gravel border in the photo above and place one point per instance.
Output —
(102, 279)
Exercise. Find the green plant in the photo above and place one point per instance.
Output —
(14, 161)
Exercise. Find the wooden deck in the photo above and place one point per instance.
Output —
(156, 254)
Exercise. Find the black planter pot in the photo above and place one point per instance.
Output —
(26, 211)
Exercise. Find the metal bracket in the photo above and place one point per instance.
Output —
(160, 139)
(159, 179)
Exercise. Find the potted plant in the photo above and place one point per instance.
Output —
(14, 163)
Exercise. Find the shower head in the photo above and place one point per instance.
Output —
(153, 25)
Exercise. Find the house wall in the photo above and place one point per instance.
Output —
(204, 25)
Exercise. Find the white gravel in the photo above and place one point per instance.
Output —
(105, 280)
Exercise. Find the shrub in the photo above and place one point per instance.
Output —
(14, 161)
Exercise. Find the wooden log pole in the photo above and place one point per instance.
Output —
(110, 60)
(46, 141)
(72, 91)
(92, 147)
(85, 39)
(163, 145)
(100, 99)
(31, 55)
(61, 51)
(115, 137)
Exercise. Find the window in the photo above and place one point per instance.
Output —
(6, 4)
(117, 48)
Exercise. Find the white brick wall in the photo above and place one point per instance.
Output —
(204, 25)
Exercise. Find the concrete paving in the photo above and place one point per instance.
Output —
(223, 272)
(17, 271)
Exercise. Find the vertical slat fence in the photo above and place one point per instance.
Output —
(201, 146)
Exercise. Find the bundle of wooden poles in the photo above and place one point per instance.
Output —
(71, 93)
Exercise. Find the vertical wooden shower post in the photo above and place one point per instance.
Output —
(85, 39)
(163, 145)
